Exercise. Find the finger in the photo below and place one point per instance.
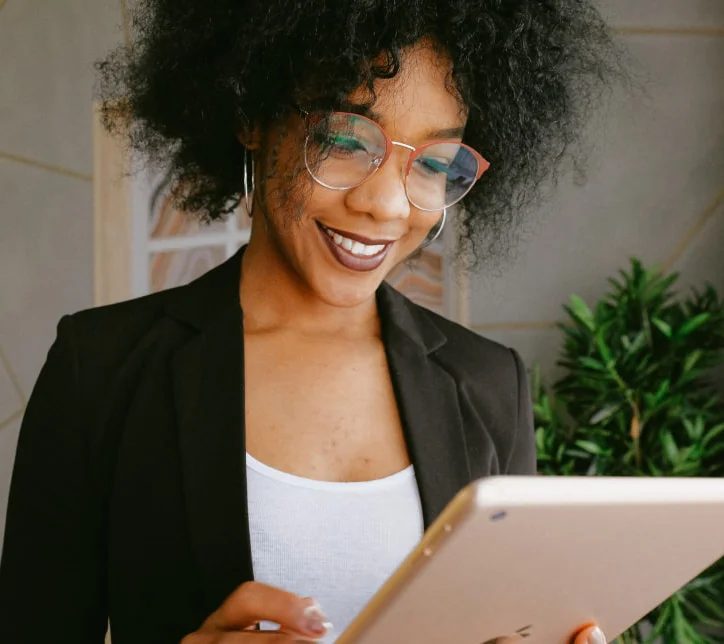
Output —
(254, 602)
(237, 637)
(590, 635)
(259, 638)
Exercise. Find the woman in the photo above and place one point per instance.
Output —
(200, 462)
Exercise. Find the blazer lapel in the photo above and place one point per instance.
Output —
(208, 391)
(427, 398)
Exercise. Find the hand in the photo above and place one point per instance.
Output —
(589, 635)
(301, 619)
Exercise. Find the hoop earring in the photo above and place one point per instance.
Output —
(249, 202)
(428, 242)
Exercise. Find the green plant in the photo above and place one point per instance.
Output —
(636, 399)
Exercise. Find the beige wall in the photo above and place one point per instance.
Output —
(46, 194)
(656, 186)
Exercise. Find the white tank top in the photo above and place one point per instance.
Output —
(336, 542)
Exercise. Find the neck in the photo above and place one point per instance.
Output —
(274, 297)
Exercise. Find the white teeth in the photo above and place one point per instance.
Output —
(373, 250)
(354, 247)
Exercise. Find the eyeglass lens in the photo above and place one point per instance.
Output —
(343, 150)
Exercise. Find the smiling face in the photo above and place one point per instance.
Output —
(341, 244)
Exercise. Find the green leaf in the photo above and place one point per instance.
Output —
(658, 287)
(603, 348)
(691, 360)
(582, 313)
(650, 402)
(670, 448)
(662, 391)
(576, 453)
(694, 429)
(604, 413)
(662, 326)
(638, 342)
(692, 324)
(714, 607)
(591, 363)
(655, 471)
(590, 447)
(626, 343)
(714, 432)
(618, 287)
(542, 412)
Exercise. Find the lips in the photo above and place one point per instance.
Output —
(353, 251)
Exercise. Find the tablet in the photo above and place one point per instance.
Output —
(535, 558)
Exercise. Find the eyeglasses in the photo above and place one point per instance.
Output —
(342, 150)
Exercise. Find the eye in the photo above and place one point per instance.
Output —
(340, 145)
(433, 166)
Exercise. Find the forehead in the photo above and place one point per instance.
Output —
(418, 99)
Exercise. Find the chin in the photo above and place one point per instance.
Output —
(345, 293)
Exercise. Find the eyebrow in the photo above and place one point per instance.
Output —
(455, 132)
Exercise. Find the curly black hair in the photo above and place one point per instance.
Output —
(529, 73)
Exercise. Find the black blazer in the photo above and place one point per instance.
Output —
(128, 496)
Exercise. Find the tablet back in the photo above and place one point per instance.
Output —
(533, 558)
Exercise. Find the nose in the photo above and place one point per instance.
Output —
(383, 195)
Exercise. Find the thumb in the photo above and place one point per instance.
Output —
(254, 602)
(590, 635)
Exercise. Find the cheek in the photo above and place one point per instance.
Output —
(284, 177)
(286, 198)
(323, 200)
(294, 208)
(310, 202)
(422, 223)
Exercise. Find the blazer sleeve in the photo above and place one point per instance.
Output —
(52, 573)
(523, 458)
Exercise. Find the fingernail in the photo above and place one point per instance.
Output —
(596, 636)
(315, 621)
